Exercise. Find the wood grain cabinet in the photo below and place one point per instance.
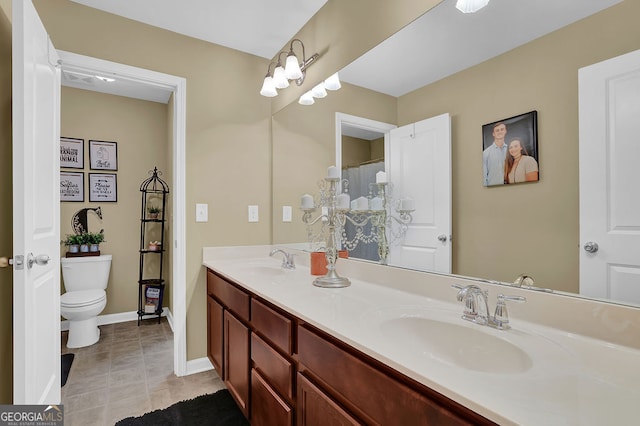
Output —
(282, 371)
(228, 336)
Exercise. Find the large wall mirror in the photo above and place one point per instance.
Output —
(498, 233)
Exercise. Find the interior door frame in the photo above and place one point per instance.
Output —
(178, 85)
(361, 123)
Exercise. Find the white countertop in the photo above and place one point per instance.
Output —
(568, 378)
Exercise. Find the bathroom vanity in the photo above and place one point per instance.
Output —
(392, 349)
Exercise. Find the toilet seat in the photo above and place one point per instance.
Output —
(79, 299)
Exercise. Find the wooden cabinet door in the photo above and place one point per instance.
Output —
(236, 360)
(317, 409)
(267, 407)
(215, 335)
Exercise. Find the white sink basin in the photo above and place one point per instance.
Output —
(464, 345)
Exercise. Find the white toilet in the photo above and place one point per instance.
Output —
(85, 280)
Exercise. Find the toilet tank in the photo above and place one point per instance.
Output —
(85, 273)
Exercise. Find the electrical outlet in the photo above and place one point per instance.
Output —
(202, 212)
(253, 213)
(286, 213)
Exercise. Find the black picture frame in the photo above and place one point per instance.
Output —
(103, 187)
(103, 155)
(72, 187)
(71, 153)
(522, 127)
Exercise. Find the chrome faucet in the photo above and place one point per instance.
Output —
(287, 260)
(476, 306)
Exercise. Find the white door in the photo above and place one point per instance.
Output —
(36, 211)
(609, 191)
(420, 168)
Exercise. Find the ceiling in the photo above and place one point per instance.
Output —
(258, 27)
(440, 43)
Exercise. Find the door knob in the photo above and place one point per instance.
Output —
(41, 259)
(591, 247)
(4, 262)
(442, 238)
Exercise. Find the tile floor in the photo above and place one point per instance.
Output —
(127, 373)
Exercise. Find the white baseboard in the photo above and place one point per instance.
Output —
(120, 317)
(199, 365)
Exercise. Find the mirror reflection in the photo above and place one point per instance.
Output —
(497, 233)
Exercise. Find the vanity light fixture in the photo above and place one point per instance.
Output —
(320, 90)
(470, 6)
(294, 69)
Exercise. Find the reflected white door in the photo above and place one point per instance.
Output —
(609, 191)
(36, 210)
(420, 168)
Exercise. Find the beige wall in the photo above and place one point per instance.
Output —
(304, 146)
(228, 150)
(140, 130)
(6, 213)
(355, 151)
(501, 232)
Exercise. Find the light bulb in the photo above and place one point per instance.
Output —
(470, 6)
(333, 82)
(292, 69)
(268, 87)
(318, 91)
(306, 99)
(279, 79)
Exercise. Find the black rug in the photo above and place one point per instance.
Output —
(67, 360)
(218, 409)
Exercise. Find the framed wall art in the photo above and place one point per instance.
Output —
(72, 153)
(510, 150)
(103, 187)
(103, 155)
(72, 186)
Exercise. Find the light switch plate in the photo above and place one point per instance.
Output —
(286, 213)
(253, 213)
(202, 212)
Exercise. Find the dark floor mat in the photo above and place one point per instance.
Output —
(67, 360)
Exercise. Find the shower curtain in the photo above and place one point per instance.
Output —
(359, 179)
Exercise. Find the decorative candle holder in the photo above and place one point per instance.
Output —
(332, 218)
(336, 211)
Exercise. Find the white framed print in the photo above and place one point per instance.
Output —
(72, 153)
(103, 155)
(103, 187)
(72, 186)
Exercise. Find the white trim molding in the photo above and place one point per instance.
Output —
(178, 86)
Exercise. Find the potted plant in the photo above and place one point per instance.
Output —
(94, 240)
(72, 241)
(154, 212)
(83, 239)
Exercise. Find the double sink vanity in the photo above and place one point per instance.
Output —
(393, 348)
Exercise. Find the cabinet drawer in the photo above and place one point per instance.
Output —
(315, 408)
(272, 325)
(273, 366)
(373, 394)
(231, 296)
(267, 408)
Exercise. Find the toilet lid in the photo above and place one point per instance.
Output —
(78, 299)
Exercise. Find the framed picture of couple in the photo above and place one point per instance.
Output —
(510, 150)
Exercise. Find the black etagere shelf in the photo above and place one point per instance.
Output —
(151, 284)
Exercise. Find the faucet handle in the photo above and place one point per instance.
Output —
(501, 316)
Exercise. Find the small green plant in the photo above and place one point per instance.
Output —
(94, 237)
(153, 209)
(72, 239)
